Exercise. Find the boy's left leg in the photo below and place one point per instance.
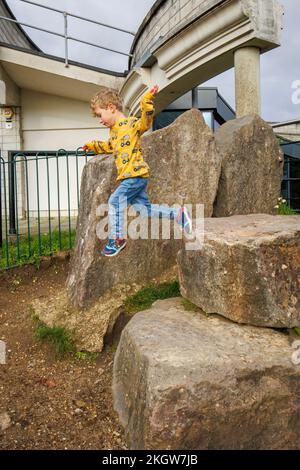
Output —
(181, 215)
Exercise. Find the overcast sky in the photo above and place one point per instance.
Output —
(280, 68)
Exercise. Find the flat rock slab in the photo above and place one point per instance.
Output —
(252, 167)
(248, 269)
(185, 380)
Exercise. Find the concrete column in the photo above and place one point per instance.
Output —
(247, 81)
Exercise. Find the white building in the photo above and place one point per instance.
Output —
(50, 106)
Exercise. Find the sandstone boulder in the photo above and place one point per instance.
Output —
(92, 275)
(183, 380)
(252, 167)
(248, 269)
(183, 160)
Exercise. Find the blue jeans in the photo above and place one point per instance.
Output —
(133, 191)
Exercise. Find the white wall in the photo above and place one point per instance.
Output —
(10, 139)
(51, 123)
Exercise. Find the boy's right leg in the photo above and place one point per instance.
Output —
(117, 203)
(181, 214)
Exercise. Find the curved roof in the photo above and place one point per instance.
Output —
(12, 34)
(145, 21)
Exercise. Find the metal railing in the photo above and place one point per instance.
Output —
(65, 33)
(39, 202)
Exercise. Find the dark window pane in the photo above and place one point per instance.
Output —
(295, 189)
(295, 204)
(165, 118)
(284, 190)
(295, 169)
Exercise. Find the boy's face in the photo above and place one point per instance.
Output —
(106, 116)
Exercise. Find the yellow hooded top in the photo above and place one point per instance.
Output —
(124, 141)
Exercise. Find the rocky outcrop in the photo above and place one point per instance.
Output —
(91, 275)
(185, 380)
(183, 161)
(252, 167)
(92, 327)
(247, 269)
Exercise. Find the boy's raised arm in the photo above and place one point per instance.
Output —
(147, 108)
(99, 146)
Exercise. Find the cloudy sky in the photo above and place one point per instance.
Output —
(280, 68)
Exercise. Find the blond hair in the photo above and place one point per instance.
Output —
(105, 97)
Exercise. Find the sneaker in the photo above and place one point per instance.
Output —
(183, 218)
(113, 247)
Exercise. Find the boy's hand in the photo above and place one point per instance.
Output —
(154, 90)
(87, 147)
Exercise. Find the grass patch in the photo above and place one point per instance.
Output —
(31, 251)
(58, 337)
(85, 356)
(283, 208)
(188, 305)
(145, 297)
(297, 330)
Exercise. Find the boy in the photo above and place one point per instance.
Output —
(133, 171)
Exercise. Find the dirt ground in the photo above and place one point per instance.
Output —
(47, 402)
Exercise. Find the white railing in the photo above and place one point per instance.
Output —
(65, 33)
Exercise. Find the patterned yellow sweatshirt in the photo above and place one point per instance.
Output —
(124, 141)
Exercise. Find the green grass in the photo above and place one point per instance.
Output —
(58, 337)
(145, 297)
(188, 305)
(283, 208)
(37, 250)
(85, 356)
(297, 330)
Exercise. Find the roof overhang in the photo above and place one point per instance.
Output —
(49, 75)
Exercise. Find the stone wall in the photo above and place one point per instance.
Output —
(165, 18)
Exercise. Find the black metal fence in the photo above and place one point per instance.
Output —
(39, 201)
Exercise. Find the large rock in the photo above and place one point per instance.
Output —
(248, 269)
(183, 380)
(91, 327)
(252, 167)
(97, 286)
(183, 160)
(92, 275)
(97, 182)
